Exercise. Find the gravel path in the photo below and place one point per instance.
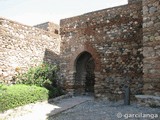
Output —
(105, 110)
(81, 108)
(41, 110)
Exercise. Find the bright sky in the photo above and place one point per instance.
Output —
(32, 12)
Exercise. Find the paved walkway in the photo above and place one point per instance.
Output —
(107, 110)
(81, 108)
(41, 110)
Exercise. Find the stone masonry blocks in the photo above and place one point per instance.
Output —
(123, 41)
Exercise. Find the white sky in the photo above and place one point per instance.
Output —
(32, 12)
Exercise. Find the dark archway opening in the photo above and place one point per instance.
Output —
(84, 76)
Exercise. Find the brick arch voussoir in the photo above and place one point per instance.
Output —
(89, 48)
(86, 48)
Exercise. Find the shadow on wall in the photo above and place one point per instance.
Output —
(51, 57)
(84, 77)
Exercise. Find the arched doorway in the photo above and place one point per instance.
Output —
(84, 76)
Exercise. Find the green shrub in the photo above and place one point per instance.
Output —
(41, 75)
(18, 95)
(44, 75)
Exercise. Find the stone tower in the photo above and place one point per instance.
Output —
(133, 1)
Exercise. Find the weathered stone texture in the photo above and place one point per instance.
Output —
(52, 28)
(151, 50)
(24, 46)
(133, 1)
(148, 100)
(123, 44)
(114, 39)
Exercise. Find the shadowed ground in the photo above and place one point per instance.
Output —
(81, 108)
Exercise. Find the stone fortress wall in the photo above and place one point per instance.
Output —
(119, 46)
(50, 27)
(24, 46)
(114, 38)
(151, 47)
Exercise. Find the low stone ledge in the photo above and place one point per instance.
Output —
(148, 100)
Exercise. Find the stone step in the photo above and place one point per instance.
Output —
(148, 100)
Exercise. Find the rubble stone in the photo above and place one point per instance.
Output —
(122, 42)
